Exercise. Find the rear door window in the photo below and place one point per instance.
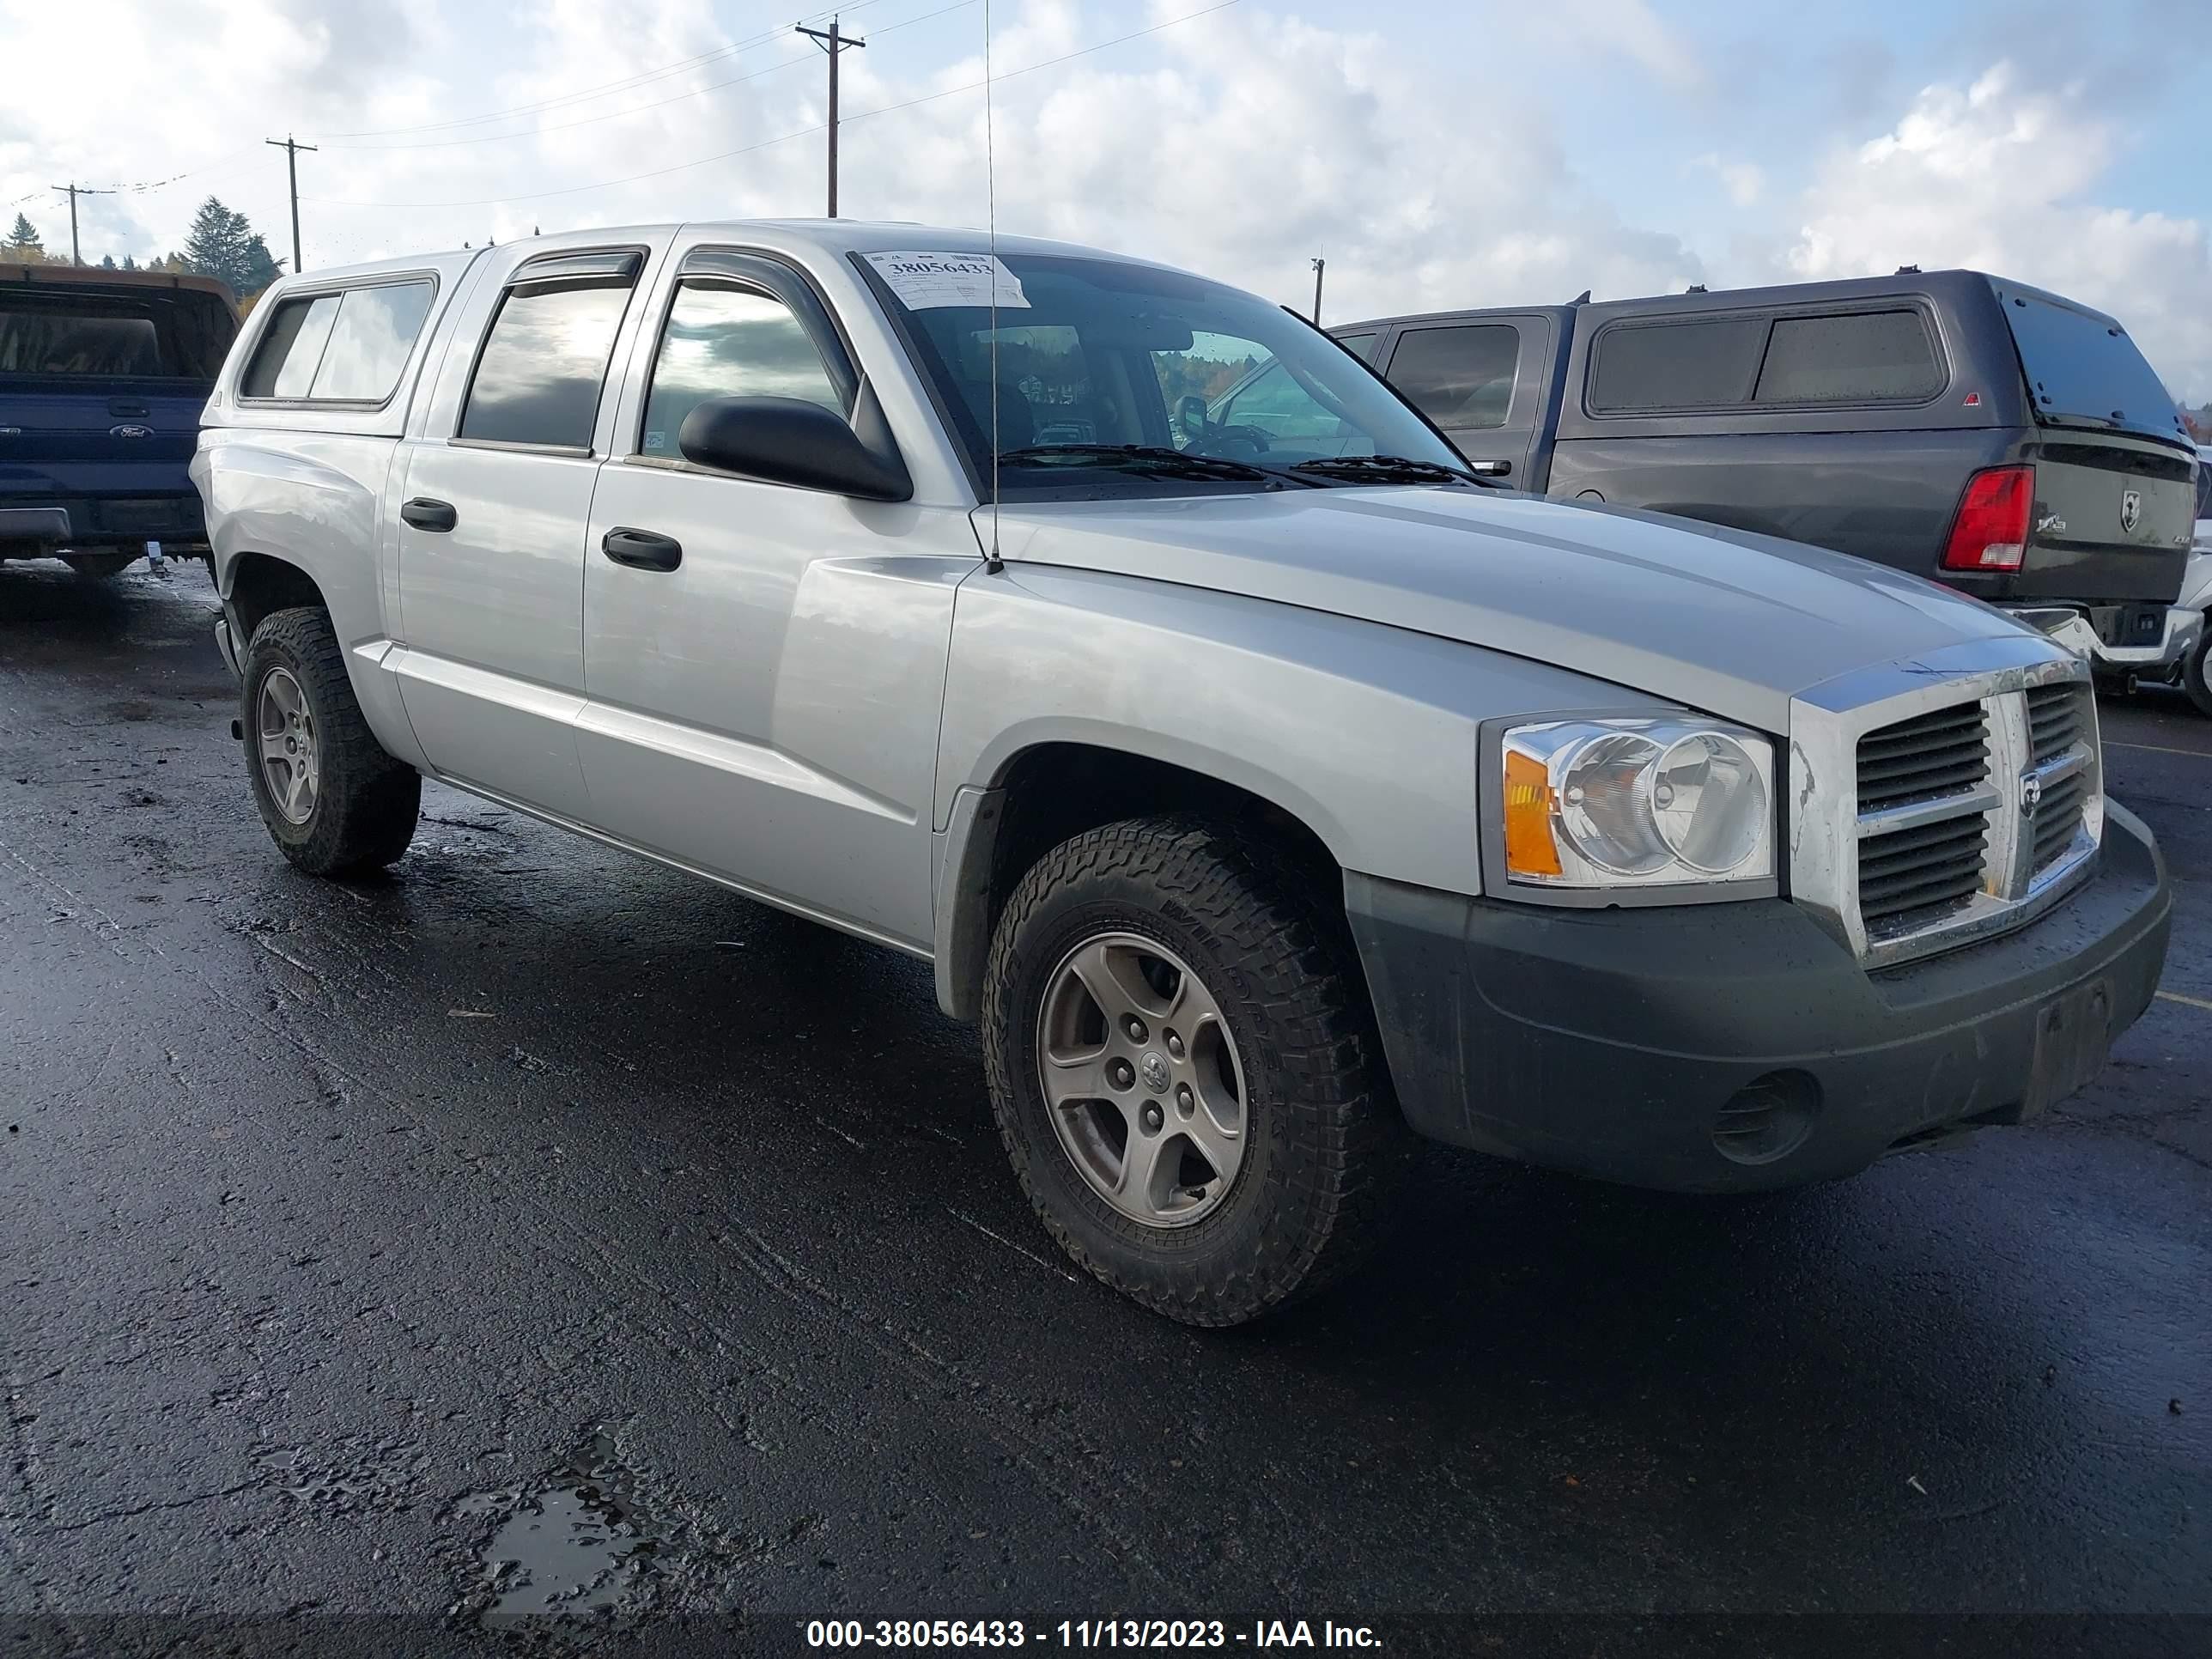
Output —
(538, 379)
(1461, 377)
(1700, 364)
(1852, 357)
(1361, 346)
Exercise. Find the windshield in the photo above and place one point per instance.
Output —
(2082, 367)
(1107, 372)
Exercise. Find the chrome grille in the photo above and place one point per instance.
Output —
(1924, 796)
(1913, 878)
(1925, 759)
(2056, 719)
(1943, 798)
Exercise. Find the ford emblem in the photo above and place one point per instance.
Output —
(131, 429)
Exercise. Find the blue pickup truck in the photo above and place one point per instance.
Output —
(103, 375)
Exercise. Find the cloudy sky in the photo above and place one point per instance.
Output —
(1439, 152)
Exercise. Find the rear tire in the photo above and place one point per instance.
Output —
(99, 567)
(2197, 673)
(1244, 990)
(336, 803)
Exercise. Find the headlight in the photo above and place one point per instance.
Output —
(1669, 801)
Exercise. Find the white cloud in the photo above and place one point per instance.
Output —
(1745, 181)
(1632, 28)
(1999, 175)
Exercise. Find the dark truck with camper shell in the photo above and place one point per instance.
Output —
(2007, 441)
(103, 376)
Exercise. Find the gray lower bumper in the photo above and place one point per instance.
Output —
(47, 526)
(2072, 629)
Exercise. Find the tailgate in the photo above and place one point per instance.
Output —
(110, 420)
(2113, 518)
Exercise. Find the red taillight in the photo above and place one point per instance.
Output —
(1990, 533)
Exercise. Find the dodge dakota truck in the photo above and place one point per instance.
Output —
(1266, 806)
(2004, 440)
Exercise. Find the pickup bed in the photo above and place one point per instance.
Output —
(103, 374)
(2002, 439)
(1267, 803)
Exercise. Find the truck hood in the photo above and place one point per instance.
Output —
(1722, 621)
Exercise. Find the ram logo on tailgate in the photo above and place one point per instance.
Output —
(2130, 509)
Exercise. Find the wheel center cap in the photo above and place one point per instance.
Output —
(1154, 1070)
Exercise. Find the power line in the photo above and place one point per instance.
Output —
(589, 120)
(785, 138)
(657, 103)
(292, 146)
(585, 95)
(834, 42)
(73, 191)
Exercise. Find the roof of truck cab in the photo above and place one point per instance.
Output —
(834, 236)
(102, 276)
(894, 236)
(1936, 284)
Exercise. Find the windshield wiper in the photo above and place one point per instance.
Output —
(1155, 458)
(1394, 469)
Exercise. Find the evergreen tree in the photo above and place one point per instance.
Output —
(225, 244)
(24, 238)
(129, 263)
(107, 261)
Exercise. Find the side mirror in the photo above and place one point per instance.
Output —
(1191, 412)
(788, 440)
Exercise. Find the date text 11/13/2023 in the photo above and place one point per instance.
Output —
(1121, 1633)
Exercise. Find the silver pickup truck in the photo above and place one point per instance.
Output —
(1264, 799)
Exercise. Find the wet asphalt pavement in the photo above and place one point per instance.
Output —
(537, 1204)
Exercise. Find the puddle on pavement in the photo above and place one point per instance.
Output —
(574, 1545)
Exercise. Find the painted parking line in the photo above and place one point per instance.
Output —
(2157, 749)
(2194, 1002)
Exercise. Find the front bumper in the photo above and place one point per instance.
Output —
(2075, 628)
(1633, 1045)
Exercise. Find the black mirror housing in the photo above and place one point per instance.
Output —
(788, 440)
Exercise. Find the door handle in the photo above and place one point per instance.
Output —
(642, 550)
(426, 514)
(1490, 469)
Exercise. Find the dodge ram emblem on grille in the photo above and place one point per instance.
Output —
(2030, 794)
(2130, 509)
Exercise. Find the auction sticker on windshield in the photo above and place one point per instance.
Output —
(925, 282)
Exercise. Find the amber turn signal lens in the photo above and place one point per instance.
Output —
(1530, 849)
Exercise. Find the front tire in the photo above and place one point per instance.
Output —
(2197, 673)
(336, 803)
(1185, 1071)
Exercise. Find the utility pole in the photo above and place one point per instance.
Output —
(1320, 266)
(833, 43)
(73, 190)
(292, 146)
